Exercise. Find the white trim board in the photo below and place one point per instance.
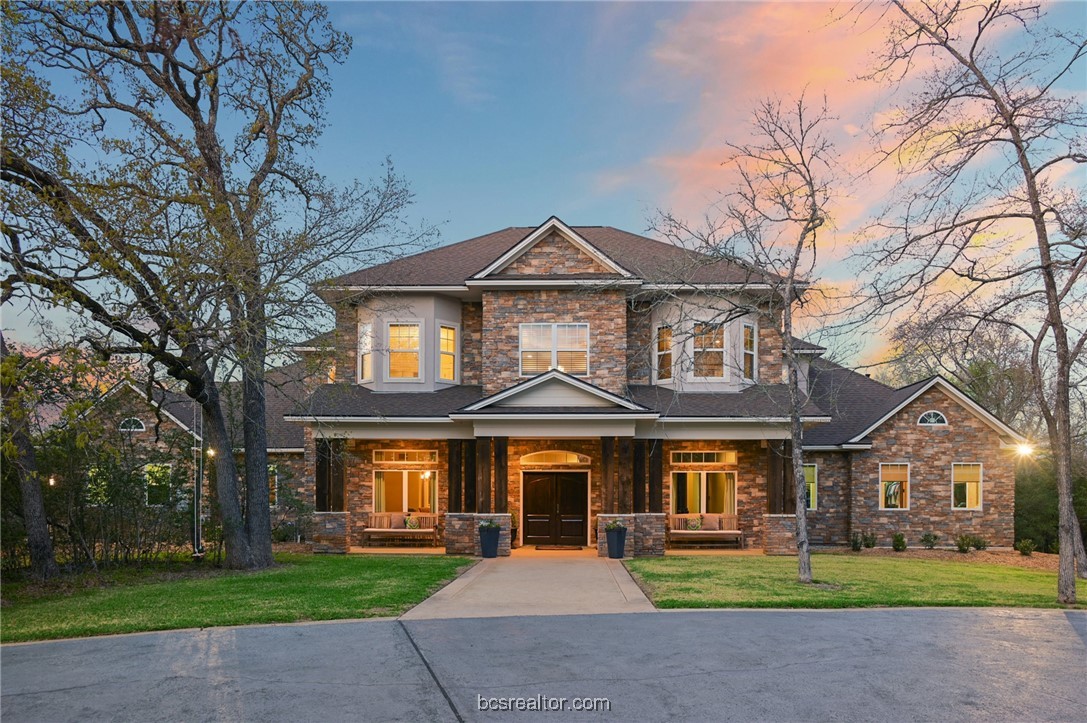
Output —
(548, 376)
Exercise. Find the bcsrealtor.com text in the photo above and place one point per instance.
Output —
(543, 703)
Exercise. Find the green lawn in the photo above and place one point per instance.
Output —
(300, 587)
(841, 581)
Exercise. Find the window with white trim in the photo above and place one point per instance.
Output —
(697, 492)
(664, 352)
(408, 456)
(932, 418)
(403, 351)
(447, 353)
(554, 346)
(366, 352)
(716, 457)
(405, 490)
(709, 351)
(966, 480)
(131, 425)
(894, 486)
(750, 336)
(156, 479)
(811, 480)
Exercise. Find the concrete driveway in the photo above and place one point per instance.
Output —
(855, 665)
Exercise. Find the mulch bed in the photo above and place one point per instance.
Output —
(1010, 558)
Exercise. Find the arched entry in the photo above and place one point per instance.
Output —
(554, 502)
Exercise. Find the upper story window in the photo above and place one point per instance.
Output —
(749, 342)
(403, 351)
(664, 352)
(131, 425)
(554, 346)
(709, 351)
(932, 418)
(447, 353)
(366, 352)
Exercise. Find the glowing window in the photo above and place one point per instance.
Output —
(894, 486)
(554, 457)
(664, 352)
(403, 351)
(411, 456)
(966, 486)
(709, 350)
(749, 351)
(447, 353)
(716, 457)
(554, 346)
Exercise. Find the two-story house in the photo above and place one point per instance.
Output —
(549, 377)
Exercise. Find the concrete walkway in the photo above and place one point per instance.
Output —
(537, 582)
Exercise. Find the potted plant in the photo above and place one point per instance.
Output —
(488, 537)
(616, 532)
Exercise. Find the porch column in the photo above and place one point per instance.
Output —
(483, 474)
(656, 476)
(638, 471)
(456, 478)
(626, 475)
(469, 450)
(608, 500)
(501, 474)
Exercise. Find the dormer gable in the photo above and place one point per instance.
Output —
(553, 249)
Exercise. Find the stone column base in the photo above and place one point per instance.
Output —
(462, 532)
(779, 534)
(645, 534)
(330, 533)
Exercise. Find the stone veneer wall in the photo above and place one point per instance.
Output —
(471, 343)
(645, 534)
(330, 532)
(771, 369)
(639, 342)
(346, 342)
(779, 537)
(750, 477)
(462, 533)
(828, 523)
(555, 254)
(930, 453)
(604, 310)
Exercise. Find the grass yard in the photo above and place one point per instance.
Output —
(300, 587)
(841, 581)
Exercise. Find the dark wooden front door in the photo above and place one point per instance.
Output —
(556, 508)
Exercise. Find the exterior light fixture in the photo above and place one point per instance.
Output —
(52, 481)
(211, 452)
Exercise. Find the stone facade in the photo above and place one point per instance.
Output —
(462, 533)
(828, 523)
(930, 452)
(331, 532)
(603, 310)
(645, 534)
(779, 536)
(640, 341)
(555, 255)
(771, 369)
(471, 345)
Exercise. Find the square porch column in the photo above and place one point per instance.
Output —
(626, 475)
(483, 474)
(638, 471)
(608, 498)
(656, 476)
(501, 474)
(456, 476)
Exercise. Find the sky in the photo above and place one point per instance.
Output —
(505, 113)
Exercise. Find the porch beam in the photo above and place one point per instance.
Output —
(501, 474)
(626, 475)
(607, 460)
(638, 472)
(456, 476)
(656, 476)
(483, 474)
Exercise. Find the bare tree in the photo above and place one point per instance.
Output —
(987, 222)
(770, 223)
(196, 232)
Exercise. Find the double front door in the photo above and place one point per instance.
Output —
(556, 508)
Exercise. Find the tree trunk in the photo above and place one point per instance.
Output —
(255, 433)
(796, 430)
(43, 563)
(1081, 553)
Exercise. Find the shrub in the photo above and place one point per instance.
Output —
(616, 524)
(898, 542)
(963, 542)
(979, 543)
(869, 540)
(929, 540)
(855, 542)
(1025, 547)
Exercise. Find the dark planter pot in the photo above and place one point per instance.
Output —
(488, 541)
(617, 542)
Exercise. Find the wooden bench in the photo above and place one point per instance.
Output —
(393, 526)
(728, 530)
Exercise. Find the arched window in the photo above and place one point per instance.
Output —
(932, 418)
(131, 425)
(554, 457)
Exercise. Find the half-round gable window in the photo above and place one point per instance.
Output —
(932, 418)
(131, 425)
(554, 457)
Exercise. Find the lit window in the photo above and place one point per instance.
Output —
(273, 485)
(131, 425)
(554, 457)
(405, 455)
(709, 350)
(966, 486)
(894, 486)
(932, 419)
(403, 351)
(664, 352)
(554, 346)
(811, 478)
(704, 493)
(447, 353)
(156, 479)
(405, 490)
(749, 351)
(719, 457)
(366, 352)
